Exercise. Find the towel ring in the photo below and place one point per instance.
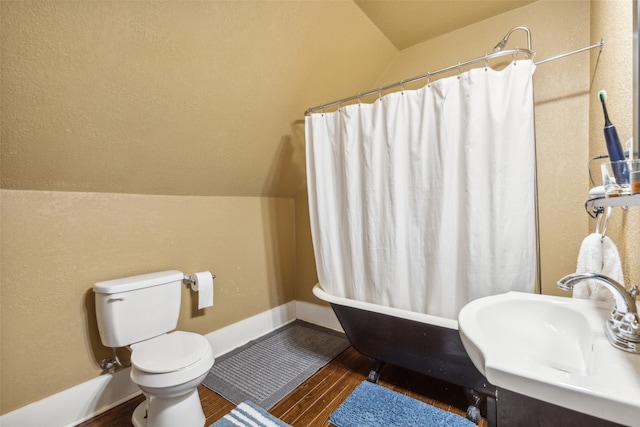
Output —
(607, 216)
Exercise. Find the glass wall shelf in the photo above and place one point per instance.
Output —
(603, 202)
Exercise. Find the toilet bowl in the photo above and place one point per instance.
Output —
(141, 313)
(168, 369)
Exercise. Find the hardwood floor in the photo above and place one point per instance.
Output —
(311, 404)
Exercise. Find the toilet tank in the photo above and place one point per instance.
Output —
(137, 308)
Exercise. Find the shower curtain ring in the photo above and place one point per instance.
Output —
(359, 99)
(428, 79)
(458, 70)
(380, 94)
(486, 62)
(402, 86)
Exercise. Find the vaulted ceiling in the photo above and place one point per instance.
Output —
(409, 22)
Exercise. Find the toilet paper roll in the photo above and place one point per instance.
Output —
(203, 285)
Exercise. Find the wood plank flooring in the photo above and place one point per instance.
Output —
(311, 404)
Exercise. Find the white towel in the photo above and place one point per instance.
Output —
(597, 254)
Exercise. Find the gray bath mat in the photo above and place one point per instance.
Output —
(267, 369)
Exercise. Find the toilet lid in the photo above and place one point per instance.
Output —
(169, 352)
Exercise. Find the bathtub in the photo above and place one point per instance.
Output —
(420, 342)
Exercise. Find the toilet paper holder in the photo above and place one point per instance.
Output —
(190, 279)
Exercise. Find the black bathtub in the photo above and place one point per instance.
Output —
(420, 342)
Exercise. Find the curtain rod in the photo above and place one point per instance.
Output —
(528, 52)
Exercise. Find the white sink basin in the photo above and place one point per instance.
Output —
(553, 349)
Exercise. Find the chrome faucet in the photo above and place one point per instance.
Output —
(623, 328)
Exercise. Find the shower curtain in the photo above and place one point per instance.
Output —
(424, 199)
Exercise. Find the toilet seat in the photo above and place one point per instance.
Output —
(169, 352)
(170, 359)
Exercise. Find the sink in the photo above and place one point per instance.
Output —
(553, 349)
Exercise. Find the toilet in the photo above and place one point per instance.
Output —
(141, 313)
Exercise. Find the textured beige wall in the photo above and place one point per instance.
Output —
(185, 100)
(306, 273)
(171, 97)
(55, 245)
(610, 20)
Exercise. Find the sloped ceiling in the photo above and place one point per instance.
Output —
(409, 22)
(190, 98)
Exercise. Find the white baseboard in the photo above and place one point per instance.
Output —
(76, 404)
(84, 401)
(321, 315)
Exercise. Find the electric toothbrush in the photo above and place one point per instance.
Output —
(614, 148)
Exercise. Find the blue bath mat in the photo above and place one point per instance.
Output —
(248, 414)
(371, 405)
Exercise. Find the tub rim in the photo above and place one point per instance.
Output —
(444, 322)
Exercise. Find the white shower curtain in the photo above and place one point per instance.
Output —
(424, 200)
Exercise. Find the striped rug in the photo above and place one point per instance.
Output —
(267, 369)
(248, 414)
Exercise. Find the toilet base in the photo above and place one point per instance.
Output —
(139, 418)
(183, 411)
